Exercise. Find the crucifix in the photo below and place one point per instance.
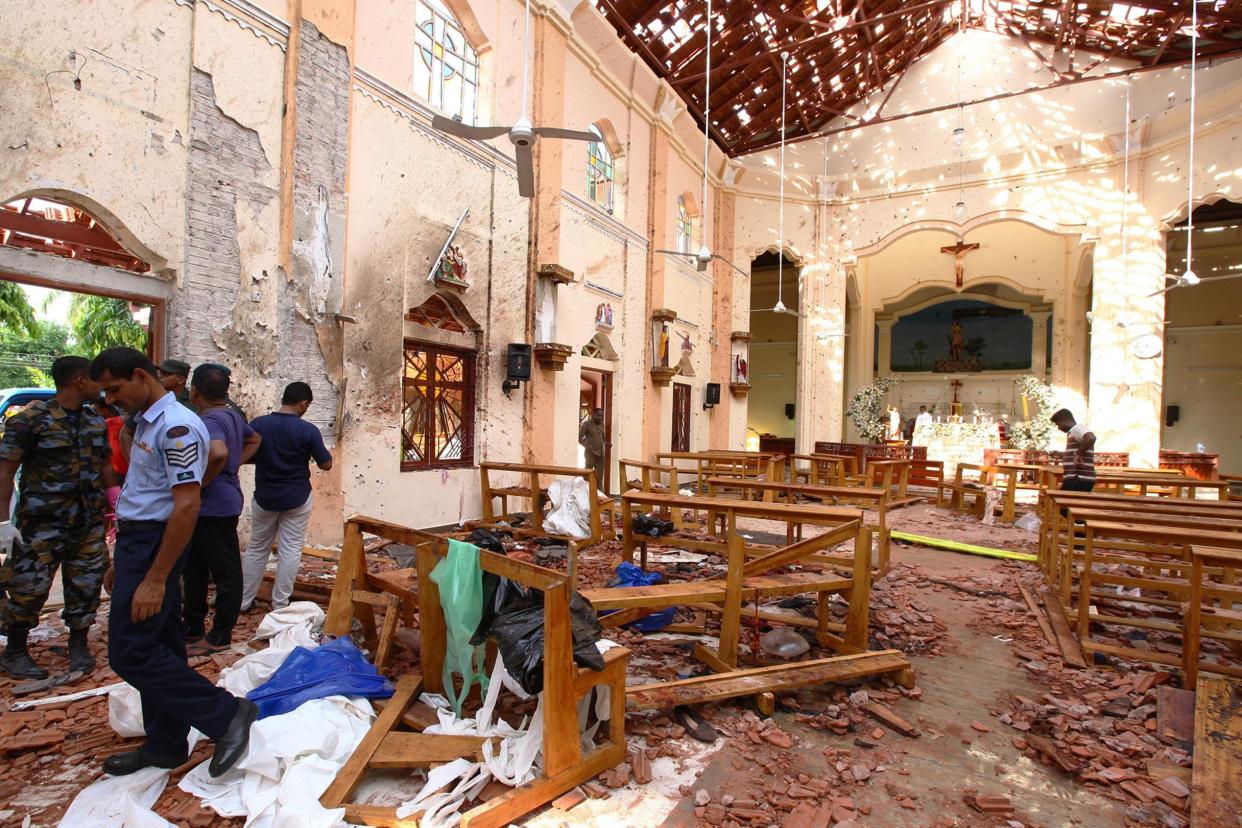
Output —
(955, 407)
(959, 252)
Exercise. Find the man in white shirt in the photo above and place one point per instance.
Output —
(924, 418)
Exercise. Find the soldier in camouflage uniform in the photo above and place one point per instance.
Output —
(67, 481)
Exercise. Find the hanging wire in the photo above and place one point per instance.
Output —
(780, 251)
(526, 61)
(1190, 170)
(1125, 189)
(707, 121)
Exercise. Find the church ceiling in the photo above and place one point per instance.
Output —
(842, 52)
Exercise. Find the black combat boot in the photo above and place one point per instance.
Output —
(80, 658)
(16, 662)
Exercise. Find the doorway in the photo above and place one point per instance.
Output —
(596, 392)
(681, 417)
(774, 301)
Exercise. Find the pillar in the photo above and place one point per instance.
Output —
(821, 340)
(1124, 401)
(658, 230)
(1039, 342)
(884, 346)
(723, 289)
(539, 415)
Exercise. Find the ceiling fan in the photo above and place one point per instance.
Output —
(1190, 279)
(705, 256)
(780, 307)
(522, 134)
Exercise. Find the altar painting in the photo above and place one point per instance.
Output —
(962, 336)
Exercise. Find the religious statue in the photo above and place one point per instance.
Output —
(452, 267)
(686, 345)
(894, 423)
(603, 316)
(664, 346)
(739, 369)
(956, 341)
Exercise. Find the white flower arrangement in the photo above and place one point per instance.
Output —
(1035, 433)
(866, 408)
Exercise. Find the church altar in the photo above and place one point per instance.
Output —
(955, 443)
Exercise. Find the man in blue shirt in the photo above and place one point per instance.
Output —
(214, 555)
(282, 493)
(155, 518)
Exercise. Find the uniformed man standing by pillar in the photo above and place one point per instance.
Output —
(61, 446)
(591, 437)
(155, 518)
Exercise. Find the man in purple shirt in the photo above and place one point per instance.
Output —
(214, 553)
(282, 493)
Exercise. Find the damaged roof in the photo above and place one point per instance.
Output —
(842, 51)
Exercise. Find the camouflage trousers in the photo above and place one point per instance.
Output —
(69, 541)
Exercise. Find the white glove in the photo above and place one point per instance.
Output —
(9, 534)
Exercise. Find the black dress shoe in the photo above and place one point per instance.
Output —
(231, 746)
(123, 764)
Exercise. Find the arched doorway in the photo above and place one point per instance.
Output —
(1203, 337)
(773, 369)
(88, 273)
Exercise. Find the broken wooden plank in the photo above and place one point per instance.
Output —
(419, 750)
(764, 679)
(1038, 613)
(885, 715)
(1216, 798)
(1071, 650)
(350, 774)
(1175, 715)
(689, 592)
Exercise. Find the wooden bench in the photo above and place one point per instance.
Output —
(771, 492)
(705, 464)
(1055, 525)
(749, 576)
(957, 493)
(1221, 616)
(532, 491)
(565, 765)
(1163, 555)
(822, 469)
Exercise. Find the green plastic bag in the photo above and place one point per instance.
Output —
(460, 579)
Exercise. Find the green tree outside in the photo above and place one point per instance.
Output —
(99, 322)
(25, 361)
(16, 313)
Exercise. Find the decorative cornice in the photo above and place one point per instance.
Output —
(250, 18)
(418, 114)
(601, 289)
(603, 222)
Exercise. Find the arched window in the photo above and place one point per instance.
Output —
(446, 68)
(600, 171)
(685, 226)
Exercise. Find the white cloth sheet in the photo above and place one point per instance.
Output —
(571, 508)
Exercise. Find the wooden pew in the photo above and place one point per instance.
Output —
(957, 493)
(1055, 525)
(750, 577)
(1221, 616)
(822, 469)
(705, 464)
(892, 476)
(771, 492)
(565, 764)
(533, 492)
(1163, 555)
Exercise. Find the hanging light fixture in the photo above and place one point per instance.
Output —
(959, 136)
(960, 211)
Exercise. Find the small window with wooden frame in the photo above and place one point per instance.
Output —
(437, 406)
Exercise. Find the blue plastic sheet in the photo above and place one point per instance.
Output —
(335, 669)
(629, 575)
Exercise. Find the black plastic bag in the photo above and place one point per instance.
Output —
(519, 635)
(652, 526)
(498, 594)
(484, 539)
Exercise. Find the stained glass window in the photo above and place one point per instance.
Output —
(600, 171)
(685, 227)
(446, 69)
(437, 407)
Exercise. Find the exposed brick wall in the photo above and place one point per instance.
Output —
(319, 163)
(226, 162)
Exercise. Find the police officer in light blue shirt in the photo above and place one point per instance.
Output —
(155, 518)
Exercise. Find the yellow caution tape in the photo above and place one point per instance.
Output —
(971, 549)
